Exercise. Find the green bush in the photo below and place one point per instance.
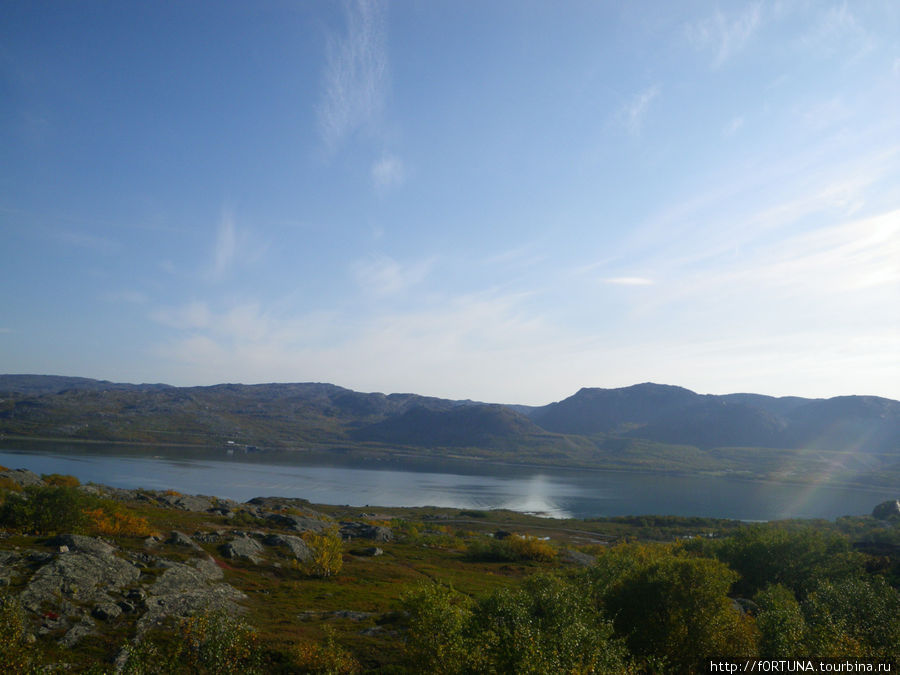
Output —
(45, 510)
(15, 652)
(513, 548)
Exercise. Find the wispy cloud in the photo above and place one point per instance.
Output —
(629, 281)
(126, 296)
(725, 35)
(356, 74)
(191, 316)
(84, 240)
(633, 113)
(733, 126)
(232, 246)
(381, 275)
(225, 247)
(388, 172)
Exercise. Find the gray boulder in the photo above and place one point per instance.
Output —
(184, 589)
(82, 544)
(78, 577)
(366, 531)
(22, 477)
(296, 545)
(296, 523)
(243, 548)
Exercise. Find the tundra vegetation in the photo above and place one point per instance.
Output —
(285, 586)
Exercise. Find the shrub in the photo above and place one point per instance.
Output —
(327, 553)
(210, 642)
(60, 480)
(45, 510)
(117, 522)
(325, 659)
(14, 650)
(514, 548)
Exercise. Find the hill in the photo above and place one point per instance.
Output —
(646, 426)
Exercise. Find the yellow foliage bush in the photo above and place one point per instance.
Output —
(327, 553)
(325, 659)
(60, 480)
(118, 523)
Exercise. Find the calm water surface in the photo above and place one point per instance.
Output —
(558, 493)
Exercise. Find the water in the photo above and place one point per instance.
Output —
(468, 485)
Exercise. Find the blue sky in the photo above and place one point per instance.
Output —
(503, 201)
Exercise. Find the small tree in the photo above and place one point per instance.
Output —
(327, 553)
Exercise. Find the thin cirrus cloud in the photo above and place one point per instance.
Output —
(629, 281)
(725, 35)
(634, 112)
(356, 74)
(388, 172)
(383, 276)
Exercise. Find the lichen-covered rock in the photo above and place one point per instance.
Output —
(185, 589)
(289, 521)
(243, 548)
(366, 531)
(78, 577)
(80, 543)
(296, 545)
(22, 477)
(177, 538)
(77, 632)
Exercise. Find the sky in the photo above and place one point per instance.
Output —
(504, 201)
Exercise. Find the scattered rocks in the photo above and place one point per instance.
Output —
(351, 530)
(297, 523)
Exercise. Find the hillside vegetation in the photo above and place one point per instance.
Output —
(101, 580)
(643, 427)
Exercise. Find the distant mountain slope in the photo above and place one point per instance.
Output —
(34, 385)
(591, 424)
(472, 425)
(611, 410)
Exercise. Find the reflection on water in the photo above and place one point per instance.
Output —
(472, 485)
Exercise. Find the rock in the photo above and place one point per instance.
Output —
(177, 538)
(185, 589)
(77, 632)
(78, 542)
(365, 531)
(243, 548)
(370, 551)
(349, 614)
(887, 510)
(207, 537)
(186, 502)
(79, 577)
(297, 546)
(297, 523)
(63, 549)
(502, 534)
(22, 477)
(106, 611)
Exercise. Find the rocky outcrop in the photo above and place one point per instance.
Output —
(295, 545)
(22, 477)
(243, 548)
(183, 589)
(351, 531)
(290, 521)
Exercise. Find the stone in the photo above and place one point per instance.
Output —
(78, 542)
(74, 635)
(106, 611)
(366, 531)
(296, 545)
(177, 538)
(243, 548)
(369, 551)
(22, 477)
(297, 523)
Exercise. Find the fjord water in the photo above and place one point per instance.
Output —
(470, 485)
